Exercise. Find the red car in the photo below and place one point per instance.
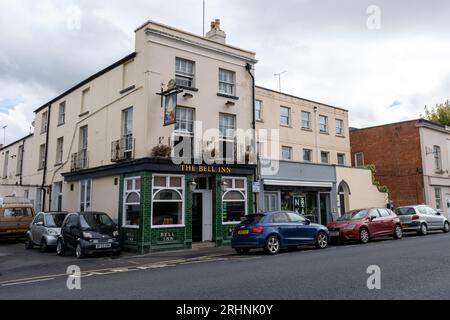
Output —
(366, 224)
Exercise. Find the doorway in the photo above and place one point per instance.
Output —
(202, 219)
(325, 208)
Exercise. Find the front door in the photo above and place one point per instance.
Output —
(325, 208)
(202, 218)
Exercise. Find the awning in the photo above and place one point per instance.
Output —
(290, 183)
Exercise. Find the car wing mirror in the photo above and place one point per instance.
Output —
(307, 222)
(40, 224)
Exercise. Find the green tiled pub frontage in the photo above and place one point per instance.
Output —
(146, 198)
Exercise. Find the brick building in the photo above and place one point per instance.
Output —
(411, 159)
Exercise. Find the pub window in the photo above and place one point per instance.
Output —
(132, 202)
(184, 72)
(234, 200)
(168, 203)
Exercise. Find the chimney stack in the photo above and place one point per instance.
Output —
(216, 34)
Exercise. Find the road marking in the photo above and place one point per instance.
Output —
(26, 282)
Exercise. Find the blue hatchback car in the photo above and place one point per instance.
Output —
(274, 230)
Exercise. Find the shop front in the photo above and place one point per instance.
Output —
(308, 189)
(163, 206)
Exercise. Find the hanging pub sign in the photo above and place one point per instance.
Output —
(169, 100)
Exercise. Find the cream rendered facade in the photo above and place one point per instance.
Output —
(435, 149)
(93, 120)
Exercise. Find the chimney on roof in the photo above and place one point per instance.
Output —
(216, 34)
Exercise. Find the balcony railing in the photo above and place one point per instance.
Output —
(79, 160)
(122, 149)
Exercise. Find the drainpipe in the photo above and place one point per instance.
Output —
(248, 67)
(21, 164)
(44, 174)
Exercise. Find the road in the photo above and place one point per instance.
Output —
(412, 268)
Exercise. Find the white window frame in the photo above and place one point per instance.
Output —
(59, 150)
(85, 195)
(185, 74)
(303, 121)
(185, 120)
(344, 157)
(126, 192)
(340, 129)
(62, 113)
(226, 83)
(356, 159)
(310, 155)
(328, 157)
(283, 148)
(258, 110)
(233, 188)
(44, 124)
(167, 187)
(438, 199)
(283, 116)
(437, 158)
(323, 127)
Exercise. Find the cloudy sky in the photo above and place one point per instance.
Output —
(330, 54)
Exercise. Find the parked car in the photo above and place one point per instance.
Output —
(366, 224)
(274, 230)
(421, 218)
(16, 215)
(44, 230)
(88, 233)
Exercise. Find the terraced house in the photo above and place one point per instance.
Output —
(93, 147)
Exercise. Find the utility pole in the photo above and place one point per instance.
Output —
(279, 78)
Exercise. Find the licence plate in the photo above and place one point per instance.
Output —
(103, 246)
(243, 232)
(334, 234)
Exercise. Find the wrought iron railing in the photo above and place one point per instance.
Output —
(79, 160)
(122, 149)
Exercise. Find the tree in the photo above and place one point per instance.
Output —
(439, 114)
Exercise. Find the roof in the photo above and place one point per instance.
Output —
(427, 123)
(17, 141)
(86, 81)
(14, 201)
(297, 97)
(191, 34)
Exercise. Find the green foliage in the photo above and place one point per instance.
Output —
(375, 182)
(439, 114)
(161, 151)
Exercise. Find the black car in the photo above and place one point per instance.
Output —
(88, 233)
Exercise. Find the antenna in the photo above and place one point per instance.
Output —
(204, 10)
(4, 134)
(279, 78)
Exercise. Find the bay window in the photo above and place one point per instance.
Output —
(132, 202)
(234, 204)
(168, 201)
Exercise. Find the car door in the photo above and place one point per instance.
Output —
(387, 222)
(375, 224)
(437, 221)
(285, 228)
(304, 232)
(10, 221)
(36, 228)
(70, 230)
(425, 216)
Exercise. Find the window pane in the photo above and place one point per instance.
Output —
(239, 184)
(167, 195)
(132, 213)
(129, 185)
(137, 184)
(167, 213)
(160, 181)
(176, 182)
(233, 196)
(233, 211)
(133, 198)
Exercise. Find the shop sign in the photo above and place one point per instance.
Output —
(300, 204)
(167, 236)
(206, 169)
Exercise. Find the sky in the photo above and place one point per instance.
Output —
(383, 60)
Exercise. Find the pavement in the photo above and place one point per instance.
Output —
(412, 268)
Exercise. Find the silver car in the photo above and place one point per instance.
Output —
(44, 230)
(421, 218)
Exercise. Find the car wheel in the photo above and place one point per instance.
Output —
(60, 248)
(272, 245)
(29, 244)
(423, 229)
(242, 250)
(398, 232)
(322, 240)
(44, 247)
(446, 227)
(79, 251)
(364, 236)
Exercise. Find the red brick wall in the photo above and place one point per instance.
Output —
(395, 151)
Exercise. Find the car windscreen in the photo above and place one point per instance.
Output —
(407, 211)
(95, 221)
(54, 220)
(18, 212)
(354, 215)
(253, 219)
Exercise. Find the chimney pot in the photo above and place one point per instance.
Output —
(216, 34)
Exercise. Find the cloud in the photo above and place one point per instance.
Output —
(326, 47)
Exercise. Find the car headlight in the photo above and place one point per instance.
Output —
(115, 233)
(349, 227)
(87, 235)
(52, 232)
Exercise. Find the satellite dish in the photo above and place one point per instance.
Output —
(33, 124)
